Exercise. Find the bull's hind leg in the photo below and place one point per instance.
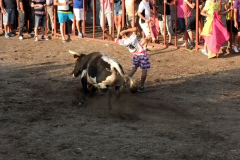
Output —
(84, 89)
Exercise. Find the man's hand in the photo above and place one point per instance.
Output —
(3, 11)
(236, 25)
(147, 20)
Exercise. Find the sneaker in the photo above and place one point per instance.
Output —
(204, 52)
(80, 35)
(10, 34)
(192, 45)
(235, 49)
(44, 39)
(36, 39)
(6, 35)
(181, 39)
(141, 89)
(21, 37)
(31, 33)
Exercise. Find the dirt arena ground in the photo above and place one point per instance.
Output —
(190, 111)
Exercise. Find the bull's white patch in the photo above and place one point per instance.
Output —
(113, 63)
(83, 73)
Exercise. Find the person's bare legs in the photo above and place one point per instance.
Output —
(78, 26)
(36, 31)
(131, 73)
(62, 32)
(116, 22)
(143, 77)
(42, 30)
(190, 34)
(236, 39)
(7, 29)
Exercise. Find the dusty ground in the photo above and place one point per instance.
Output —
(190, 111)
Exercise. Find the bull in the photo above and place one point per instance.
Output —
(100, 72)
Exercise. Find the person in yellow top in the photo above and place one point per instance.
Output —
(208, 11)
(229, 20)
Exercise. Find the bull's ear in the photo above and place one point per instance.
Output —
(75, 57)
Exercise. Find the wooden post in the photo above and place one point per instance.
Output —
(164, 23)
(133, 20)
(94, 17)
(175, 23)
(113, 20)
(197, 24)
(103, 18)
(185, 32)
(55, 20)
(123, 13)
(84, 18)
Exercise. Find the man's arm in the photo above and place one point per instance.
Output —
(2, 8)
(21, 6)
(192, 5)
(235, 18)
(128, 30)
(59, 4)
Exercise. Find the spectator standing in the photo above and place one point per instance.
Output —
(144, 19)
(129, 12)
(210, 7)
(78, 11)
(236, 18)
(24, 11)
(191, 21)
(40, 17)
(8, 10)
(160, 4)
(181, 17)
(64, 14)
(117, 15)
(50, 19)
(107, 14)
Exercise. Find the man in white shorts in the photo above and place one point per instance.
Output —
(144, 14)
(78, 11)
(107, 15)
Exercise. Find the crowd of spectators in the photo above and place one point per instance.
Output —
(144, 11)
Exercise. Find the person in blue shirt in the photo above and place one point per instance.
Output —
(78, 11)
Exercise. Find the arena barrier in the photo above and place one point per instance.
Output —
(95, 38)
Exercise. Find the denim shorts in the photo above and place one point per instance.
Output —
(8, 18)
(39, 19)
(182, 25)
(118, 8)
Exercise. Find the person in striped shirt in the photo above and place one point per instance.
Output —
(39, 10)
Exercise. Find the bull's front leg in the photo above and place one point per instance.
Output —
(84, 89)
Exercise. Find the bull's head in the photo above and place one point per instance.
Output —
(78, 65)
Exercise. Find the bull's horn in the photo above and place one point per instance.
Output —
(72, 52)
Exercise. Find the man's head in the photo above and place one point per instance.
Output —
(125, 35)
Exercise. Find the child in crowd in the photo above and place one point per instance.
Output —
(236, 7)
(140, 56)
(107, 14)
(78, 11)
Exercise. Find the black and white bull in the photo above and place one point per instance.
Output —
(99, 71)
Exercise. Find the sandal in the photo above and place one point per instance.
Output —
(169, 44)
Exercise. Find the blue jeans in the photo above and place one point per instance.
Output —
(39, 19)
(182, 25)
